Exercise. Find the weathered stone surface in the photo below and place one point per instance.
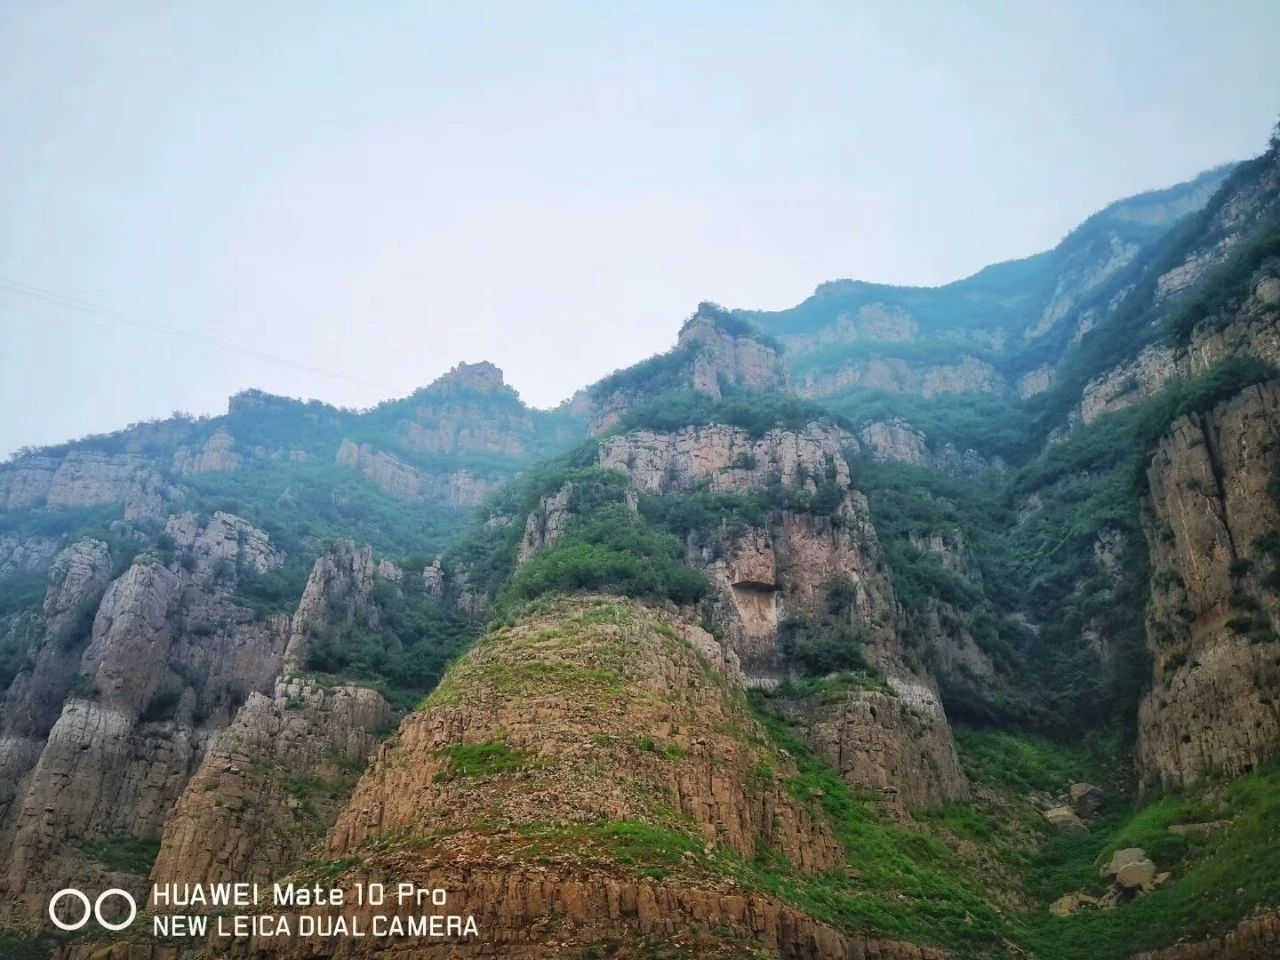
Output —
(1254, 938)
(728, 458)
(86, 479)
(1035, 381)
(966, 374)
(724, 358)
(1137, 875)
(26, 554)
(894, 740)
(1213, 620)
(546, 523)
(339, 594)
(1121, 859)
(895, 440)
(463, 412)
(31, 705)
(1086, 799)
(1070, 903)
(271, 784)
(1066, 820)
(216, 455)
(1251, 328)
(459, 488)
(170, 658)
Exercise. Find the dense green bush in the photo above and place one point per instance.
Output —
(408, 649)
(611, 549)
(755, 412)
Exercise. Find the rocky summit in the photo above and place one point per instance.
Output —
(905, 623)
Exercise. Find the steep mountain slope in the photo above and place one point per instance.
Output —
(891, 669)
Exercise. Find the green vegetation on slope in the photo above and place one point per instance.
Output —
(755, 412)
(405, 653)
(1219, 876)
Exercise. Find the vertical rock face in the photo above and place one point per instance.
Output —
(546, 523)
(964, 374)
(727, 459)
(714, 351)
(34, 699)
(893, 739)
(338, 595)
(1212, 524)
(271, 784)
(217, 455)
(723, 356)
(463, 412)
(170, 658)
(458, 488)
(86, 479)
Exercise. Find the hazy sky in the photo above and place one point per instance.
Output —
(380, 190)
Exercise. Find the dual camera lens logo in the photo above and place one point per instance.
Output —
(92, 910)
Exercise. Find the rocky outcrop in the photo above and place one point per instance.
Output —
(1211, 521)
(459, 488)
(34, 699)
(723, 357)
(1250, 203)
(86, 479)
(714, 351)
(1254, 938)
(546, 523)
(271, 784)
(1111, 256)
(1035, 381)
(338, 598)
(725, 459)
(618, 722)
(26, 554)
(897, 441)
(966, 374)
(1248, 328)
(891, 738)
(170, 659)
(869, 323)
(469, 410)
(217, 455)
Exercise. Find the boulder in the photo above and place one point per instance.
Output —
(1069, 903)
(1086, 799)
(1065, 819)
(1137, 875)
(1121, 858)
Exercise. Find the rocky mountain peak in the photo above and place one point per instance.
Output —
(482, 377)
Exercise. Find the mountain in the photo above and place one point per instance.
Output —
(906, 623)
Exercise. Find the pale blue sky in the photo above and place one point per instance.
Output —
(382, 190)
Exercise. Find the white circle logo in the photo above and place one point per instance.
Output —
(115, 892)
(95, 910)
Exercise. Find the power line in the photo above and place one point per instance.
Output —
(133, 320)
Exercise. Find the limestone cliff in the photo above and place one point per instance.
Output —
(1212, 525)
(714, 352)
(86, 479)
(271, 784)
(1248, 328)
(171, 656)
(964, 374)
(769, 578)
(459, 488)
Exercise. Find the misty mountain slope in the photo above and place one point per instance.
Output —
(743, 671)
